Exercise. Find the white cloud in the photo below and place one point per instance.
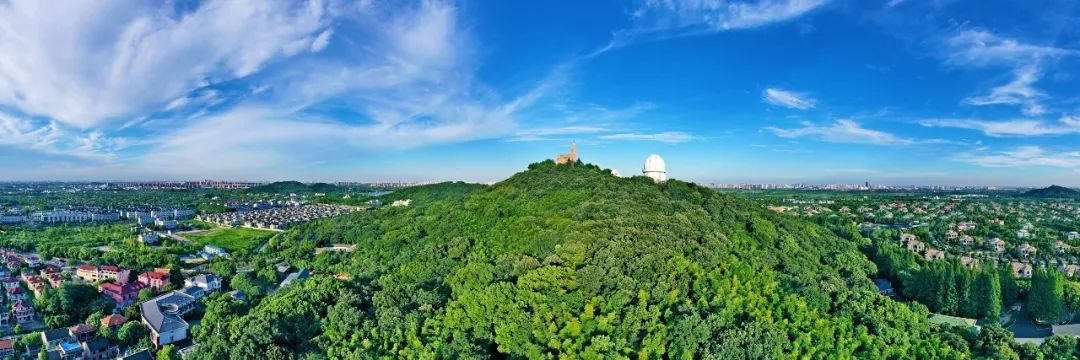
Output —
(978, 48)
(1020, 127)
(85, 63)
(322, 40)
(1017, 92)
(56, 139)
(664, 19)
(1025, 156)
(847, 131)
(670, 137)
(983, 49)
(787, 99)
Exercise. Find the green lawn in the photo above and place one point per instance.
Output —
(232, 239)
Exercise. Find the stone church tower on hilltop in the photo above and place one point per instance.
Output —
(568, 158)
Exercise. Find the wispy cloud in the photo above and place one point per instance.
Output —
(1019, 91)
(670, 137)
(848, 131)
(983, 49)
(788, 99)
(1020, 127)
(116, 59)
(658, 20)
(1025, 156)
(52, 138)
(979, 48)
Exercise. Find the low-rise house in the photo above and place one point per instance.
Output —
(82, 332)
(149, 238)
(906, 238)
(113, 321)
(934, 254)
(99, 349)
(1061, 247)
(156, 279)
(5, 319)
(164, 316)
(87, 273)
(51, 339)
(969, 261)
(167, 224)
(16, 294)
(1026, 250)
(207, 282)
(967, 240)
(24, 313)
(998, 244)
(7, 349)
(297, 276)
(916, 246)
(951, 235)
(1021, 270)
(71, 351)
(1023, 234)
(1072, 235)
(215, 250)
(122, 294)
(91, 273)
(10, 282)
(1069, 269)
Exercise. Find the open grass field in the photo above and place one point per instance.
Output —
(232, 239)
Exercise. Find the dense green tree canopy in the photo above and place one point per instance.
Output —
(567, 261)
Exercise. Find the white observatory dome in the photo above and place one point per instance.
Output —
(655, 168)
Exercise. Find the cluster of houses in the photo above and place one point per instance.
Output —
(81, 341)
(1021, 269)
(939, 209)
(277, 218)
(162, 217)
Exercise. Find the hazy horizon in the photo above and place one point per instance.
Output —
(772, 91)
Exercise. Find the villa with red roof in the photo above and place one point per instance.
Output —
(156, 279)
(122, 294)
(16, 294)
(24, 313)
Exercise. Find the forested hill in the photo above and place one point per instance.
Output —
(1053, 192)
(567, 261)
(292, 187)
(426, 194)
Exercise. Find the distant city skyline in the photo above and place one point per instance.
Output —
(743, 91)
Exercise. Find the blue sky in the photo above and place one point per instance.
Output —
(890, 91)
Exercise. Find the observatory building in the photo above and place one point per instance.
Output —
(655, 168)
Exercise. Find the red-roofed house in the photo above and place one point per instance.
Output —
(16, 294)
(87, 272)
(122, 294)
(113, 321)
(82, 332)
(10, 282)
(7, 349)
(24, 313)
(156, 279)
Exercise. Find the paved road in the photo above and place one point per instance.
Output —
(1024, 327)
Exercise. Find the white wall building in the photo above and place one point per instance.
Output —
(655, 168)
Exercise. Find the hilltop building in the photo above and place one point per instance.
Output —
(568, 158)
(655, 168)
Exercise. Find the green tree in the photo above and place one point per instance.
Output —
(1046, 296)
(130, 333)
(168, 352)
(988, 295)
